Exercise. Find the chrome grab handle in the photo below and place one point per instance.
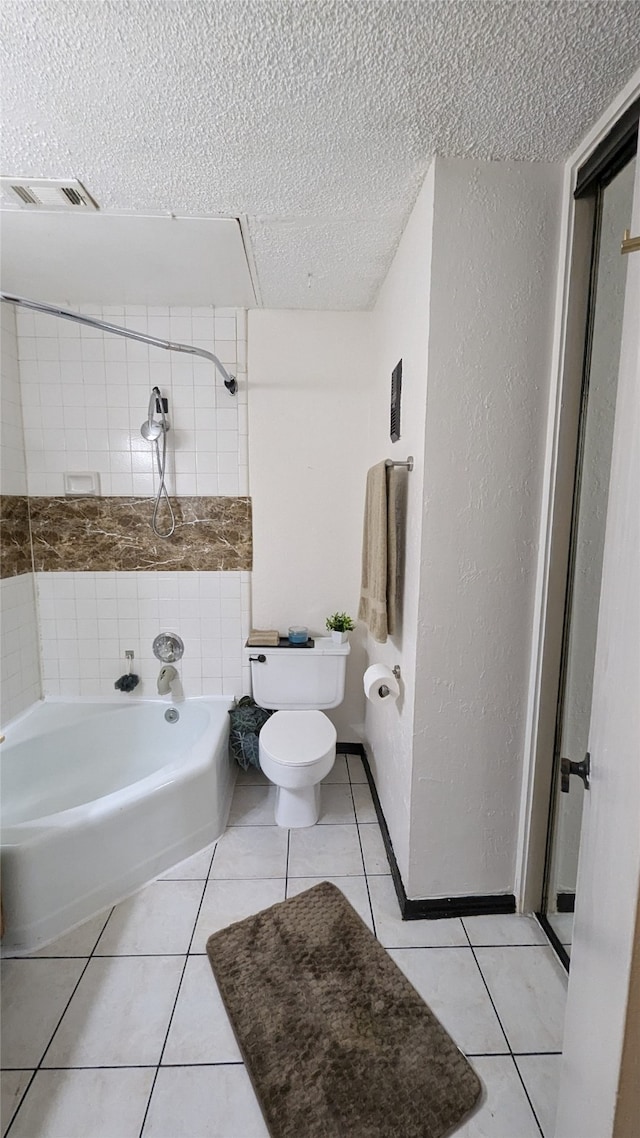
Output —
(582, 770)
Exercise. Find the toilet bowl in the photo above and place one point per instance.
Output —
(297, 749)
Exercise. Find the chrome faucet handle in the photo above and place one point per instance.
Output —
(168, 647)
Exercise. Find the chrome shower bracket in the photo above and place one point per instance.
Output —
(168, 647)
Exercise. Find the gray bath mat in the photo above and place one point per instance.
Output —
(337, 1042)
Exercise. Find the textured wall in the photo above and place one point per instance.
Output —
(401, 332)
(491, 320)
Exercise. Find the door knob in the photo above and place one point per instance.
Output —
(567, 768)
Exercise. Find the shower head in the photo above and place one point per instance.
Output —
(152, 429)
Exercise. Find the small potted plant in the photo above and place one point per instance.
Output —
(339, 625)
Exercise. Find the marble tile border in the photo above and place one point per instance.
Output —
(114, 534)
(15, 545)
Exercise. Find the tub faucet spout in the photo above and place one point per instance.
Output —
(167, 677)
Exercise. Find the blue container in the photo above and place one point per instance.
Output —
(298, 634)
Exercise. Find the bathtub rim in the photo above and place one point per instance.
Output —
(79, 701)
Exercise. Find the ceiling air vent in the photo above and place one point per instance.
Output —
(45, 193)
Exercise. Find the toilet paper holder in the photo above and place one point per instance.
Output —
(383, 690)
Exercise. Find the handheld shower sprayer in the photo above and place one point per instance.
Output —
(153, 430)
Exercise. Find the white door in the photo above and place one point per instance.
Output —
(609, 868)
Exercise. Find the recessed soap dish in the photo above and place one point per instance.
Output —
(82, 484)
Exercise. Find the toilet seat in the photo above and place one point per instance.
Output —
(297, 750)
(297, 739)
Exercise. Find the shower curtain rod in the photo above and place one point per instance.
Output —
(52, 310)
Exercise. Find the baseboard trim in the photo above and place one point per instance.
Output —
(471, 905)
(426, 908)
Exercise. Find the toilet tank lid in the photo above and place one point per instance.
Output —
(299, 737)
(323, 646)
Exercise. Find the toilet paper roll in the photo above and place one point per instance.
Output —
(380, 684)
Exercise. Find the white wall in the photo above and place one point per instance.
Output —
(309, 375)
(401, 319)
(495, 241)
(20, 670)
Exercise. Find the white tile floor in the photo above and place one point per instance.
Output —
(117, 1030)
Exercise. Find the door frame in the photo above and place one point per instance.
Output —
(593, 1101)
(556, 510)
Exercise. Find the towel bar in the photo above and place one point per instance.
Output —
(630, 244)
(408, 464)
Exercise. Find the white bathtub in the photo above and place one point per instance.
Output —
(98, 799)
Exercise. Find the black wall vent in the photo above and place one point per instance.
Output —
(396, 395)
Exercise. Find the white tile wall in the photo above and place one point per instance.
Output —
(20, 669)
(13, 466)
(89, 620)
(85, 395)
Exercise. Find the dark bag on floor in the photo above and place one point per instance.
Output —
(246, 721)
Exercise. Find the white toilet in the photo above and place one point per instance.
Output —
(298, 743)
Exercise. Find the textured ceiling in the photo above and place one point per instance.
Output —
(315, 121)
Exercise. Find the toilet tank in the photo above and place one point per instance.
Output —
(299, 679)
